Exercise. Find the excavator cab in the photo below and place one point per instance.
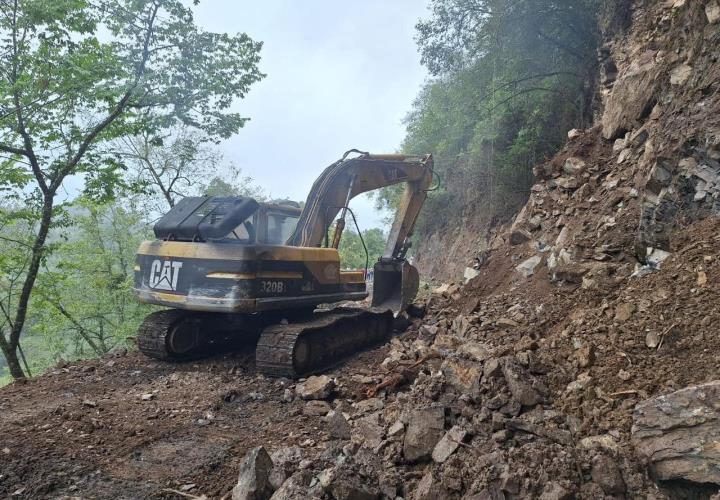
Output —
(238, 220)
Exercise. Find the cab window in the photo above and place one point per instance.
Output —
(244, 232)
(280, 227)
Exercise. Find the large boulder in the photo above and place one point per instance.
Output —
(425, 428)
(319, 387)
(448, 444)
(525, 389)
(367, 431)
(429, 488)
(337, 425)
(285, 463)
(463, 375)
(527, 267)
(343, 482)
(254, 479)
(679, 433)
(606, 473)
(297, 487)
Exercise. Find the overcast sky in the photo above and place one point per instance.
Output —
(340, 75)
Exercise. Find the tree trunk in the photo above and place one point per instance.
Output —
(13, 363)
(11, 348)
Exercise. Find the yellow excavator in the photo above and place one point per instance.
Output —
(233, 269)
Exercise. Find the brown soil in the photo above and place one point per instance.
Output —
(85, 429)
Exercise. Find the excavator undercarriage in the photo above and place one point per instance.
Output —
(236, 272)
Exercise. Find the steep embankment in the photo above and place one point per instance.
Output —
(540, 377)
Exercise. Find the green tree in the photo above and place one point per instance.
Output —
(511, 77)
(77, 75)
(168, 166)
(16, 236)
(163, 169)
(352, 252)
(83, 301)
(235, 184)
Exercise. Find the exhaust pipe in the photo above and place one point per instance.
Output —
(395, 285)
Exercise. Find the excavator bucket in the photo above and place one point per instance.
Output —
(395, 285)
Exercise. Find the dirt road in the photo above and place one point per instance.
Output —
(128, 427)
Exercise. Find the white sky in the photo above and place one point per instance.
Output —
(340, 75)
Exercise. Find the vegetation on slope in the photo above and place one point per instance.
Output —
(509, 79)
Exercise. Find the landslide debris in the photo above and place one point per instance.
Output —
(579, 358)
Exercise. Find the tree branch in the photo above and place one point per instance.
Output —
(27, 141)
(13, 150)
(17, 242)
(562, 46)
(80, 328)
(119, 107)
(523, 92)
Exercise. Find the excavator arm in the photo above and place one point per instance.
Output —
(396, 281)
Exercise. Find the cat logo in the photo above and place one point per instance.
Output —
(164, 275)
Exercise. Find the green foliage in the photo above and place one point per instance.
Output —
(511, 78)
(237, 185)
(16, 238)
(83, 303)
(79, 75)
(352, 253)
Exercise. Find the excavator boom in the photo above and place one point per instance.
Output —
(349, 177)
(396, 281)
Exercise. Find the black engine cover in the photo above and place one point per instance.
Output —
(204, 218)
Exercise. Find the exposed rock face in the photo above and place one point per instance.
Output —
(632, 96)
(254, 479)
(679, 433)
(522, 382)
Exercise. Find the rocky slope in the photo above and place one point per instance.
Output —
(581, 359)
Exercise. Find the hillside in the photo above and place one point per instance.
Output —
(580, 362)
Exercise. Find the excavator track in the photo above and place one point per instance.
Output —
(181, 335)
(153, 334)
(300, 349)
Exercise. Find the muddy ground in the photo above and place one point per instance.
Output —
(129, 427)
